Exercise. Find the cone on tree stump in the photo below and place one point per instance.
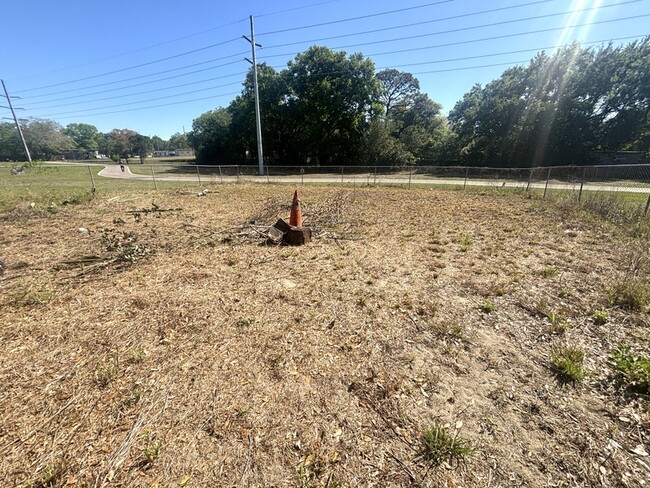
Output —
(295, 218)
(293, 233)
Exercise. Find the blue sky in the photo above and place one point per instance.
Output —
(155, 66)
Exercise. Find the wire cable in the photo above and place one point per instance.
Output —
(137, 84)
(141, 92)
(519, 51)
(350, 19)
(424, 22)
(302, 7)
(95, 61)
(152, 106)
(150, 74)
(457, 43)
(145, 101)
(132, 67)
(464, 29)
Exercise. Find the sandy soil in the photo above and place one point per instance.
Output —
(165, 345)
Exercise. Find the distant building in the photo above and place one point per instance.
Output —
(185, 152)
(163, 154)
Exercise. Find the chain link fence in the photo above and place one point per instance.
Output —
(628, 182)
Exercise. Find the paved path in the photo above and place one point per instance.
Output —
(114, 171)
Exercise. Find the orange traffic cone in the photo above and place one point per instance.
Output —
(295, 219)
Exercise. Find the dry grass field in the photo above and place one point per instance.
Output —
(423, 338)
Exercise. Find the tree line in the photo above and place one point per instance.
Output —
(330, 108)
(47, 139)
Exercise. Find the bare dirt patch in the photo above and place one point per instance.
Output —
(187, 353)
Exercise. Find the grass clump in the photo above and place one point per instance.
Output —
(30, 295)
(630, 295)
(568, 361)
(51, 476)
(488, 307)
(635, 370)
(465, 242)
(151, 452)
(439, 446)
(600, 317)
(548, 272)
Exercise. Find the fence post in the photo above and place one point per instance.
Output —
(220, 174)
(375, 175)
(198, 174)
(92, 180)
(341, 174)
(466, 174)
(548, 177)
(410, 172)
(153, 175)
(302, 176)
(647, 204)
(237, 173)
(530, 178)
(582, 183)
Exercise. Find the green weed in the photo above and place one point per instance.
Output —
(439, 446)
(548, 272)
(568, 361)
(135, 355)
(465, 242)
(600, 317)
(630, 295)
(488, 307)
(30, 295)
(151, 452)
(635, 370)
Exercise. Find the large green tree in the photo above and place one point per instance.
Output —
(45, 138)
(210, 137)
(559, 109)
(85, 136)
(118, 143)
(330, 100)
(178, 141)
(11, 148)
(414, 121)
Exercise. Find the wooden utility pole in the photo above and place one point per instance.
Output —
(13, 113)
(258, 123)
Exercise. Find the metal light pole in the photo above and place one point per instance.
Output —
(258, 123)
(13, 113)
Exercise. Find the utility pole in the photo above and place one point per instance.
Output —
(13, 113)
(258, 123)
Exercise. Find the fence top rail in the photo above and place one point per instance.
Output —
(5, 164)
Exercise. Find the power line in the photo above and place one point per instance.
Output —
(135, 50)
(150, 74)
(350, 19)
(302, 7)
(133, 67)
(456, 43)
(463, 29)
(145, 101)
(519, 51)
(152, 106)
(141, 92)
(424, 22)
(140, 84)
(415, 73)
(471, 67)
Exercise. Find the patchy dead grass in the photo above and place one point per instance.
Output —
(195, 355)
